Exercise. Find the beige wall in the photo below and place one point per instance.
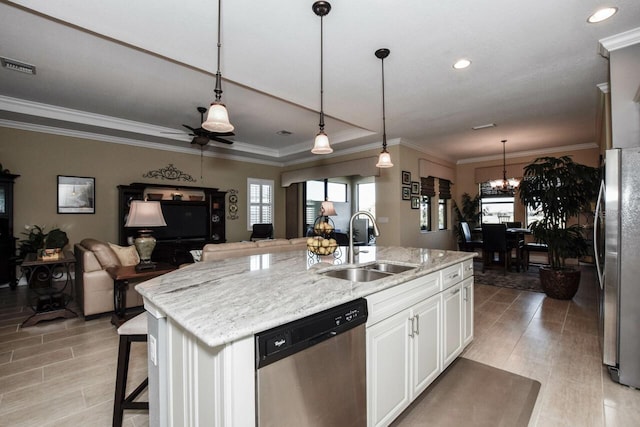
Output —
(38, 158)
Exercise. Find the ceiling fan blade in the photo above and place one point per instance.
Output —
(222, 140)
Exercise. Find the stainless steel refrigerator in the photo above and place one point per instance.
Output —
(617, 243)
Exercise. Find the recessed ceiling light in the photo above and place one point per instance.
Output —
(488, 125)
(602, 14)
(461, 63)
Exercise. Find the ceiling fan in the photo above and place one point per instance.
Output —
(202, 136)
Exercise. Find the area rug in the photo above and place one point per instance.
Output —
(524, 280)
(469, 393)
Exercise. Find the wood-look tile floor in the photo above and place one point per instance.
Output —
(62, 372)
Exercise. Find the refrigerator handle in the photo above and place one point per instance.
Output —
(596, 235)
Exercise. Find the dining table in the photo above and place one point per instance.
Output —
(514, 234)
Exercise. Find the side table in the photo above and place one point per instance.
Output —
(50, 287)
(121, 277)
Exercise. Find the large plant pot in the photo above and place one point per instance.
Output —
(560, 284)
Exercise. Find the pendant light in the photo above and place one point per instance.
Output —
(384, 160)
(504, 185)
(321, 143)
(218, 118)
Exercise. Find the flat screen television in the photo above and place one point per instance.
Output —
(184, 221)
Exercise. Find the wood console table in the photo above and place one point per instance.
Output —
(121, 277)
(50, 287)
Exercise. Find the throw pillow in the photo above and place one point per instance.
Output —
(105, 255)
(127, 255)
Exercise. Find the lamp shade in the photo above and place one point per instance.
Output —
(321, 144)
(217, 119)
(384, 160)
(327, 209)
(145, 214)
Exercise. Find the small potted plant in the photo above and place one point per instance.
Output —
(561, 189)
(39, 242)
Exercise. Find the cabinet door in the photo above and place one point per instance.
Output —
(388, 368)
(467, 311)
(452, 314)
(426, 349)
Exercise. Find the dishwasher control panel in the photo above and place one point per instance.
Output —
(282, 341)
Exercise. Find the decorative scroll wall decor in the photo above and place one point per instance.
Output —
(171, 173)
(233, 204)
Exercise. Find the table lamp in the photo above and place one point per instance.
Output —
(145, 214)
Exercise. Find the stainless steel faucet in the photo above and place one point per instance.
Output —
(376, 232)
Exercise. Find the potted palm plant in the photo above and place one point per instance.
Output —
(561, 189)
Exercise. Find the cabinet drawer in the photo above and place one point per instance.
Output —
(467, 268)
(451, 275)
(386, 303)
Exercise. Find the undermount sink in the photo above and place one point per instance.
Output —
(357, 274)
(386, 267)
(368, 273)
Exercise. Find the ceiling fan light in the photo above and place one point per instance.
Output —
(217, 119)
(384, 160)
(321, 144)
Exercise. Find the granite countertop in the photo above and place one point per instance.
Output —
(222, 301)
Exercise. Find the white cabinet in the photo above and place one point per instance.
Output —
(467, 310)
(403, 358)
(415, 330)
(452, 313)
(388, 369)
(426, 343)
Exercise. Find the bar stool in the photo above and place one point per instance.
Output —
(130, 331)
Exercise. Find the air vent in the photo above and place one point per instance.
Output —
(283, 132)
(12, 64)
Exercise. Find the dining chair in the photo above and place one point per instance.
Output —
(261, 231)
(494, 240)
(467, 244)
(514, 224)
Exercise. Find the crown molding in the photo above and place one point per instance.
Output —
(537, 152)
(619, 41)
(132, 142)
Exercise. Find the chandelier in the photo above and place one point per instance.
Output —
(504, 185)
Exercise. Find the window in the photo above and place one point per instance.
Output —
(260, 202)
(533, 215)
(425, 213)
(367, 197)
(442, 214)
(316, 192)
(496, 207)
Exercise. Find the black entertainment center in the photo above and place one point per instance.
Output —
(195, 216)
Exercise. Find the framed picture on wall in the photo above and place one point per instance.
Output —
(415, 187)
(76, 195)
(415, 202)
(406, 193)
(406, 178)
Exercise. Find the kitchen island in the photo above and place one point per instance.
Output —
(203, 319)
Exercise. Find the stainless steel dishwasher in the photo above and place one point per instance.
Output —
(312, 372)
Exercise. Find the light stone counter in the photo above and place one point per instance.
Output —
(221, 301)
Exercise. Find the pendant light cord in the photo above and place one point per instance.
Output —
(321, 124)
(384, 126)
(218, 89)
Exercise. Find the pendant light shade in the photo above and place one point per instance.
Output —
(218, 117)
(384, 159)
(321, 143)
(504, 185)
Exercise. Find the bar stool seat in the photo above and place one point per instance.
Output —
(130, 331)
